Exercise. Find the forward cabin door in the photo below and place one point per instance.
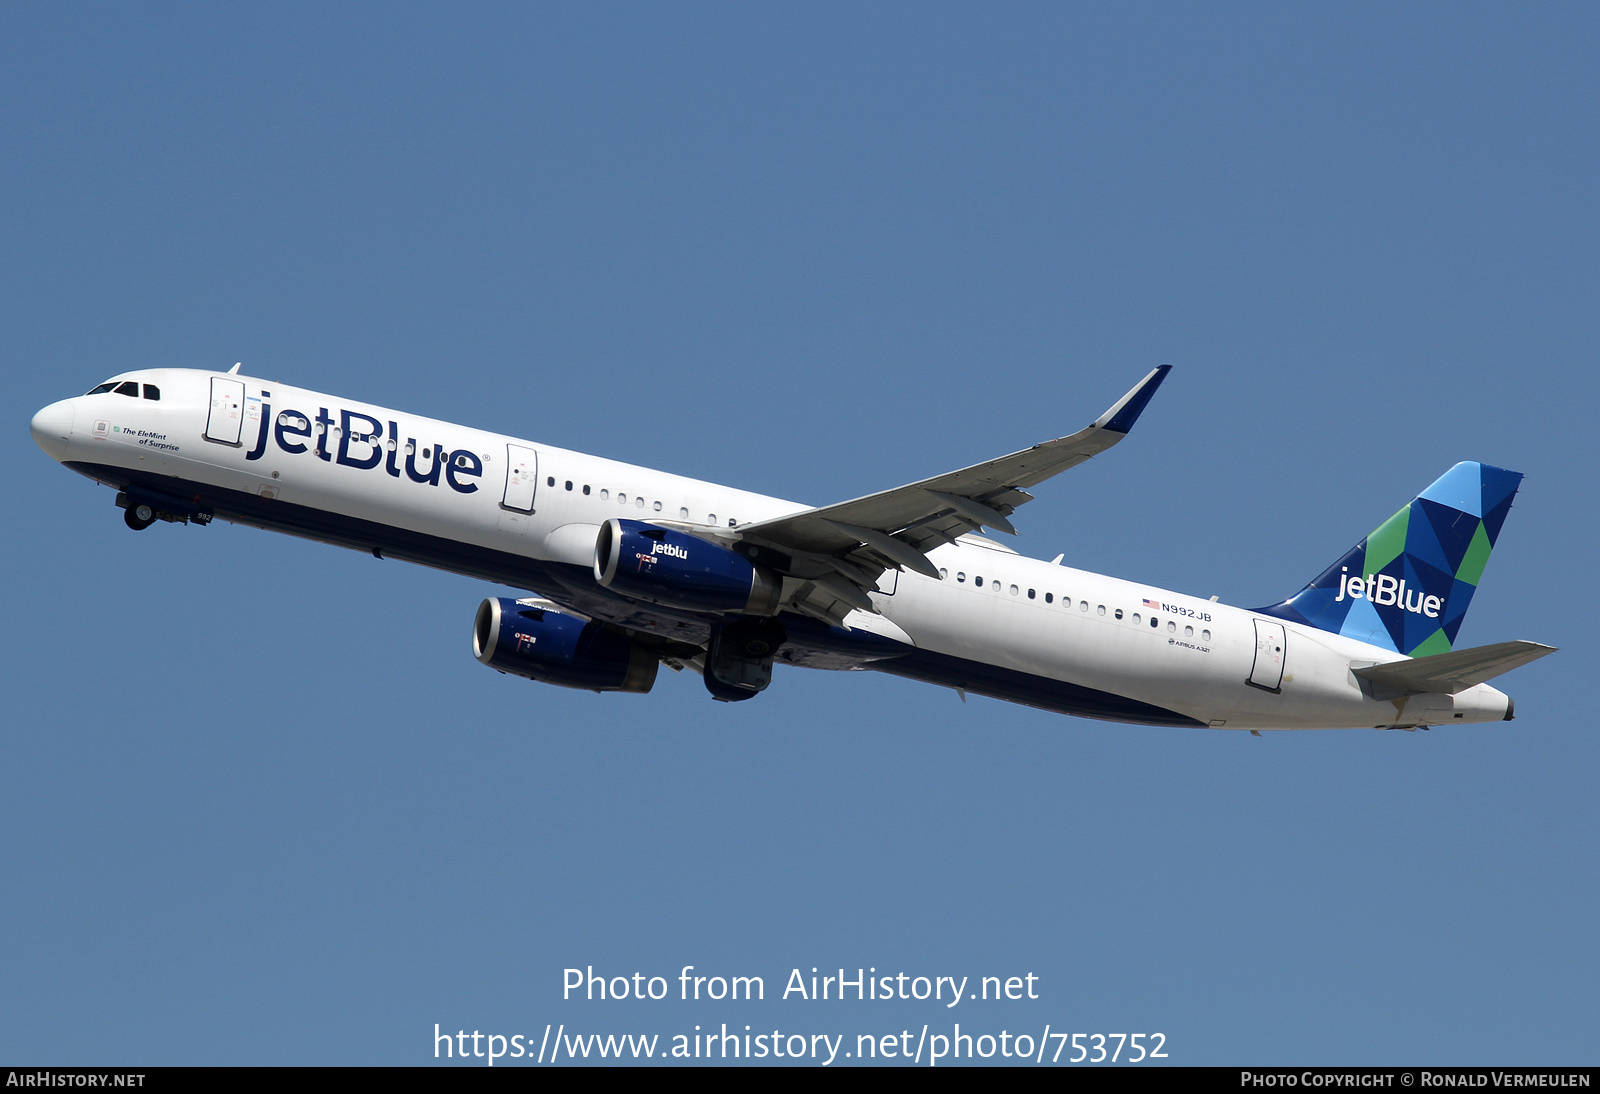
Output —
(1267, 672)
(227, 410)
(522, 478)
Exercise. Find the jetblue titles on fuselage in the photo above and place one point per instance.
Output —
(363, 448)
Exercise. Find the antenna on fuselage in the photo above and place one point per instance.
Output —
(234, 371)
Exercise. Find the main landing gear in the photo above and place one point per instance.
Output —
(138, 517)
(739, 658)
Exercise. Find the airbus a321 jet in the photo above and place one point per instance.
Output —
(630, 568)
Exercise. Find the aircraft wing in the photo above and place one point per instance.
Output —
(836, 553)
(1449, 673)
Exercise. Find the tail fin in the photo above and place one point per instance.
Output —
(1407, 586)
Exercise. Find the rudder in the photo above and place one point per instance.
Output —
(1407, 586)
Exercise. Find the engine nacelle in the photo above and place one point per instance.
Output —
(559, 649)
(678, 570)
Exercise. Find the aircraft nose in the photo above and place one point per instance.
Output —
(52, 427)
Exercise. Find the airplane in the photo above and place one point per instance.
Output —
(628, 568)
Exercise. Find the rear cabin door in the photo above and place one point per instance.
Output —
(227, 410)
(1267, 672)
(522, 477)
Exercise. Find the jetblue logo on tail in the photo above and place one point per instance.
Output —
(1384, 589)
(1407, 586)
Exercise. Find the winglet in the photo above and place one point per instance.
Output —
(1120, 418)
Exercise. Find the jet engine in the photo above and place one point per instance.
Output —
(559, 649)
(678, 570)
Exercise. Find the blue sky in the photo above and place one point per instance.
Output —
(263, 806)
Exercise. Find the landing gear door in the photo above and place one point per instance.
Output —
(1267, 672)
(522, 477)
(227, 410)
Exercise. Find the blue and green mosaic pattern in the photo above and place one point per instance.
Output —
(1407, 586)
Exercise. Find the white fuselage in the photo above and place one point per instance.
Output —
(992, 607)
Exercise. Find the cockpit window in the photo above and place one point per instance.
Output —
(152, 392)
(103, 388)
(128, 388)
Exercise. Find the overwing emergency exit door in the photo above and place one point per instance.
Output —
(522, 478)
(227, 410)
(1267, 672)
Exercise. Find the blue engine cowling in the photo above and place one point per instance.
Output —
(559, 649)
(673, 568)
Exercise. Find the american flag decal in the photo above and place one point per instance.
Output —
(1152, 604)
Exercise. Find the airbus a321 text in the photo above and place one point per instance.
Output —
(629, 568)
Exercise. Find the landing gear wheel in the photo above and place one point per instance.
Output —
(138, 517)
(739, 658)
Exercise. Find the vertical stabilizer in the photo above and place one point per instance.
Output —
(1407, 586)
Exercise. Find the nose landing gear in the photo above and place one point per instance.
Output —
(145, 508)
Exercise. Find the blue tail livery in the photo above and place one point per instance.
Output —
(1408, 585)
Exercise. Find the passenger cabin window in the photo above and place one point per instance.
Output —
(129, 388)
(1048, 597)
(1154, 622)
(1118, 612)
(569, 484)
(152, 393)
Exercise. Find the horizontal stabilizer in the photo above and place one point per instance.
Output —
(1449, 673)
